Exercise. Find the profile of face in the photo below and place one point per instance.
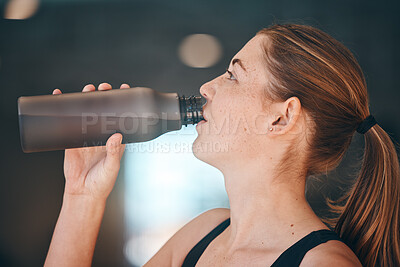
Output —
(237, 120)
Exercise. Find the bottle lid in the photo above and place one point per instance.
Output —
(191, 109)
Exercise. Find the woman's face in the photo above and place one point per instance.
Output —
(236, 120)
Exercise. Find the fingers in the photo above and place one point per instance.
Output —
(104, 86)
(89, 88)
(57, 92)
(115, 150)
(107, 86)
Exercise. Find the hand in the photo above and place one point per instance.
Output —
(91, 171)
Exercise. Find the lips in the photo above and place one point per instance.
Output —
(204, 116)
(204, 120)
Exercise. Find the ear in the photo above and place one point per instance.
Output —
(286, 116)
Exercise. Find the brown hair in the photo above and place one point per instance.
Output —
(311, 65)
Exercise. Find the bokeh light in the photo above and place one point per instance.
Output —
(165, 187)
(200, 50)
(20, 9)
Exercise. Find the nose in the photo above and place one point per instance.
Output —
(207, 90)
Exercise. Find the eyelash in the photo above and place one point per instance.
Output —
(230, 75)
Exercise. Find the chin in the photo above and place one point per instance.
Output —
(209, 152)
(198, 152)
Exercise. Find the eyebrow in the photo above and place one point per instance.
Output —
(236, 60)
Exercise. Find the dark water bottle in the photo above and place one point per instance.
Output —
(55, 122)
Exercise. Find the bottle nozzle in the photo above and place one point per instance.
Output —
(191, 109)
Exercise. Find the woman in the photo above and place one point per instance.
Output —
(288, 106)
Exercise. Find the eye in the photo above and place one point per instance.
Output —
(231, 77)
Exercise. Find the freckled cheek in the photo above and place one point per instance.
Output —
(234, 116)
(220, 111)
(242, 121)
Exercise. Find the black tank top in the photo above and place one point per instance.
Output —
(290, 257)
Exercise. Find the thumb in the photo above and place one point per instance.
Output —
(114, 153)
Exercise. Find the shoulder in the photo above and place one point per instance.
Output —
(331, 253)
(178, 246)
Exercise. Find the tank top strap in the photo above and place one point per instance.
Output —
(195, 253)
(295, 253)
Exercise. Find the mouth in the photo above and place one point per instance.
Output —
(204, 120)
(204, 116)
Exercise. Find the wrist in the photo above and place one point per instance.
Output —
(76, 231)
(81, 193)
(85, 202)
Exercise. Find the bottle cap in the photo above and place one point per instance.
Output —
(191, 109)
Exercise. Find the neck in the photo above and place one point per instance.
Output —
(267, 209)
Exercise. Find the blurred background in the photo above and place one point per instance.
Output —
(170, 46)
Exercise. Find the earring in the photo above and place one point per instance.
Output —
(271, 129)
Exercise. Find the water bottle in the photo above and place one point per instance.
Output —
(57, 122)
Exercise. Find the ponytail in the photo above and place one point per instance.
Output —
(307, 63)
(369, 223)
